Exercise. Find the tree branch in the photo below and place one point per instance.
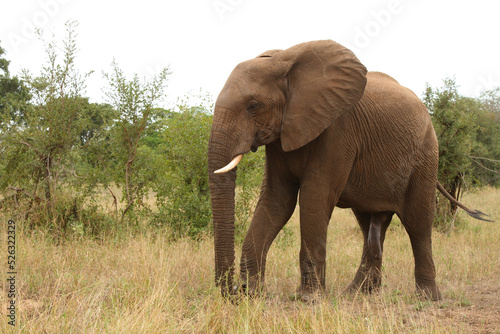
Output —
(488, 169)
(115, 202)
(26, 193)
(482, 158)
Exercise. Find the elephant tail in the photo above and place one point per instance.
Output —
(473, 213)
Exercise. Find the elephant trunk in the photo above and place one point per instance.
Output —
(222, 192)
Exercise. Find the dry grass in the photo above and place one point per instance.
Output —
(147, 285)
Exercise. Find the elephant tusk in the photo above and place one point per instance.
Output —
(236, 160)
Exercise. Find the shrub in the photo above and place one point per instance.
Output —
(183, 196)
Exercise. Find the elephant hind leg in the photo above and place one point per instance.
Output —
(373, 240)
(417, 219)
(369, 274)
(419, 228)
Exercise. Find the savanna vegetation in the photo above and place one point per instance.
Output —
(113, 214)
(69, 166)
(468, 130)
(150, 284)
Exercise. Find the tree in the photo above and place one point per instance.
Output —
(13, 94)
(182, 188)
(468, 130)
(455, 121)
(486, 153)
(135, 103)
(94, 166)
(39, 141)
(183, 196)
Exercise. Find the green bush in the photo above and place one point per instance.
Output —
(183, 196)
(182, 184)
(467, 130)
(248, 184)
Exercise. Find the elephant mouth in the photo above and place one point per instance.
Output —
(236, 160)
(258, 141)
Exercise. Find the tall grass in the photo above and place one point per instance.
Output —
(148, 284)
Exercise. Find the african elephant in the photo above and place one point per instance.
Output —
(339, 135)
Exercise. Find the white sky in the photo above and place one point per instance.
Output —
(415, 41)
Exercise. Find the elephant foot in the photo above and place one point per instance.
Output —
(308, 296)
(228, 289)
(252, 286)
(366, 288)
(428, 291)
(311, 289)
(366, 283)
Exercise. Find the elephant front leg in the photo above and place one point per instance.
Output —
(313, 260)
(314, 219)
(274, 208)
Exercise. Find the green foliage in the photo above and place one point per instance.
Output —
(455, 122)
(153, 135)
(69, 215)
(13, 94)
(486, 153)
(454, 119)
(59, 152)
(92, 163)
(183, 196)
(468, 134)
(182, 189)
(38, 142)
(4, 63)
(135, 104)
(250, 175)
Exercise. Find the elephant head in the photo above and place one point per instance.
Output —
(290, 95)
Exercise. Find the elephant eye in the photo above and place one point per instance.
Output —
(253, 107)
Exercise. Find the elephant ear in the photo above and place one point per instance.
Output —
(324, 80)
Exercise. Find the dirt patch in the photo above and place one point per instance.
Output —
(477, 311)
(481, 314)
